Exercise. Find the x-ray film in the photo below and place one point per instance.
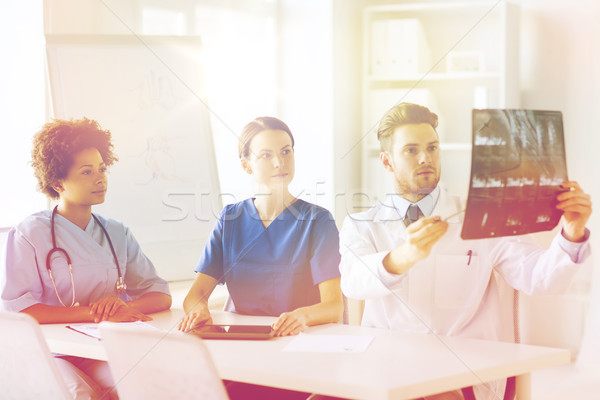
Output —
(517, 166)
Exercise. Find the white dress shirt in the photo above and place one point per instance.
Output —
(426, 204)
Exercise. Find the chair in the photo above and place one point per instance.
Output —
(153, 364)
(27, 368)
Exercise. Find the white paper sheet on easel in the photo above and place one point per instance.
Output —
(329, 343)
(93, 330)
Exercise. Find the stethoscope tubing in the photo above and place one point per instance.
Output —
(112, 250)
(119, 285)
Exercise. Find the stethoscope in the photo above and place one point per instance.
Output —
(120, 285)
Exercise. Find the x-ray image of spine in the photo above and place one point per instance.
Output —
(518, 164)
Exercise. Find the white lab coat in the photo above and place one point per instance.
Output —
(449, 293)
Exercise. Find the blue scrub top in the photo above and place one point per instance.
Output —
(276, 269)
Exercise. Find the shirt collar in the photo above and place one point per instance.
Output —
(426, 204)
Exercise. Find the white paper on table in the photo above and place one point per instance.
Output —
(329, 343)
(93, 330)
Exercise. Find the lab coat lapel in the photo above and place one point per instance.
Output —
(448, 205)
(387, 212)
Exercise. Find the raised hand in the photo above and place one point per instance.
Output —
(421, 235)
(577, 208)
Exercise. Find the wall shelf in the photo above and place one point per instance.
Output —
(452, 76)
(451, 57)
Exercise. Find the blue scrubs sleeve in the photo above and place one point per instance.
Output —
(211, 260)
(325, 249)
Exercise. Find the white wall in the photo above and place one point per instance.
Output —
(347, 132)
(560, 61)
(22, 101)
(306, 94)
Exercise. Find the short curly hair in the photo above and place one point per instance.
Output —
(56, 144)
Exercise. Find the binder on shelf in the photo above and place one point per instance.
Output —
(378, 47)
(408, 52)
(398, 47)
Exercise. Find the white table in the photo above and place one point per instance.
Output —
(395, 366)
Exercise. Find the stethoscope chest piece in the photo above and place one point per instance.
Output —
(120, 286)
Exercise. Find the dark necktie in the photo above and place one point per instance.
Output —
(412, 214)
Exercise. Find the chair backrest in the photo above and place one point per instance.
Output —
(27, 368)
(154, 364)
(3, 237)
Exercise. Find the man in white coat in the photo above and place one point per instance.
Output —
(412, 268)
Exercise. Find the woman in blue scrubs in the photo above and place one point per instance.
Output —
(69, 265)
(278, 255)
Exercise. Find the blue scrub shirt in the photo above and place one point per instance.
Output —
(276, 269)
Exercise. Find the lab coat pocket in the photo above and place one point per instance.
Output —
(456, 278)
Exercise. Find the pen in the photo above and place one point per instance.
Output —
(454, 215)
(469, 253)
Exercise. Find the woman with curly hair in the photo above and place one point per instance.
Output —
(70, 265)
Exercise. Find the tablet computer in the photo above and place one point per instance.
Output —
(254, 332)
